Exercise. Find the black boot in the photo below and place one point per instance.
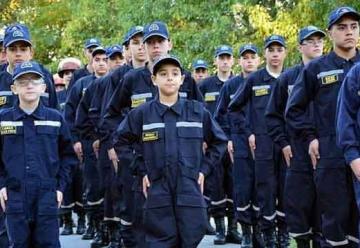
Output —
(269, 238)
(114, 233)
(101, 238)
(283, 239)
(81, 229)
(257, 237)
(233, 236)
(220, 231)
(246, 236)
(68, 224)
(90, 230)
(209, 229)
(302, 243)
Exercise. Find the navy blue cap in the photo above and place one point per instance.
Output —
(156, 28)
(275, 39)
(248, 48)
(112, 50)
(92, 42)
(199, 63)
(16, 32)
(224, 49)
(165, 59)
(306, 32)
(98, 50)
(132, 32)
(27, 68)
(338, 13)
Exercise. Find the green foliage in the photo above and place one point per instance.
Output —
(59, 27)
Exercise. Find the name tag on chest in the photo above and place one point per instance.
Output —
(261, 90)
(7, 130)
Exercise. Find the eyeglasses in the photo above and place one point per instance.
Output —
(313, 42)
(27, 82)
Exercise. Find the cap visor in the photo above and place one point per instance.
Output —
(92, 45)
(154, 34)
(16, 40)
(248, 50)
(28, 72)
(222, 53)
(134, 34)
(165, 61)
(322, 34)
(274, 41)
(354, 14)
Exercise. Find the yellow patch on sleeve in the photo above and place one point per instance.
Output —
(262, 92)
(2, 100)
(210, 98)
(137, 102)
(7, 130)
(150, 136)
(330, 79)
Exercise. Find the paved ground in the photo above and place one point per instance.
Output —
(74, 241)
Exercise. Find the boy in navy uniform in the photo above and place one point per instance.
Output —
(245, 206)
(115, 57)
(172, 130)
(219, 186)
(37, 157)
(319, 83)
(90, 45)
(269, 166)
(300, 202)
(200, 70)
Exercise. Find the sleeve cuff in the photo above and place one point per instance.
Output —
(351, 154)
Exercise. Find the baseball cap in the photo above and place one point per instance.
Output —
(16, 32)
(27, 68)
(166, 59)
(338, 13)
(156, 28)
(132, 32)
(92, 42)
(275, 39)
(247, 48)
(98, 50)
(199, 63)
(112, 50)
(224, 49)
(306, 32)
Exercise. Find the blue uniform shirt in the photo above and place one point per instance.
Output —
(61, 96)
(36, 146)
(173, 136)
(319, 82)
(348, 115)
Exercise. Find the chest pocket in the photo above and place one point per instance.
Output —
(261, 94)
(190, 136)
(153, 144)
(211, 96)
(12, 134)
(138, 99)
(330, 77)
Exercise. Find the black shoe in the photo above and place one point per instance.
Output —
(209, 229)
(269, 238)
(114, 233)
(90, 230)
(257, 237)
(233, 236)
(101, 238)
(68, 225)
(220, 232)
(81, 228)
(246, 236)
(283, 239)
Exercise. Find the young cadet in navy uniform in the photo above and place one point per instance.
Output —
(83, 145)
(219, 184)
(300, 201)
(200, 70)
(137, 88)
(238, 148)
(18, 49)
(107, 86)
(319, 83)
(37, 157)
(171, 131)
(347, 125)
(269, 166)
(115, 56)
(90, 45)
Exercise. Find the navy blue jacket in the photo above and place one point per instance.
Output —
(173, 136)
(36, 146)
(61, 96)
(79, 73)
(319, 82)
(7, 99)
(72, 103)
(347, 124)
(275, 110)
(136, 89)
(210, 89)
